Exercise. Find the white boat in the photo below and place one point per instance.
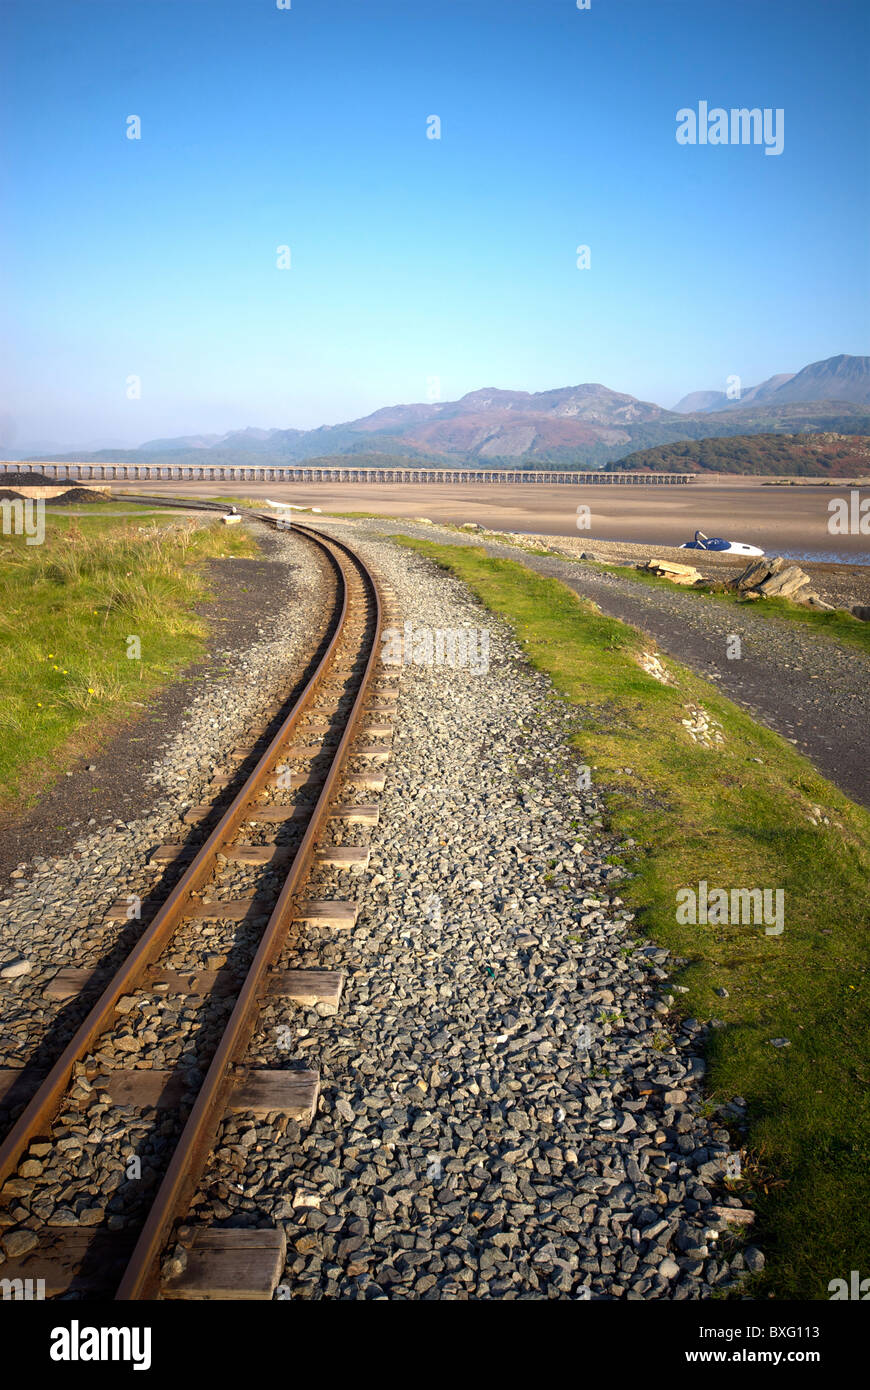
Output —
(291, 506)
(702, 542)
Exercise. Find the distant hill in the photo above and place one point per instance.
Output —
(836, 379)
(839, 378)
(699, 401)
(584, 426)
(702, 401)
(801, 455)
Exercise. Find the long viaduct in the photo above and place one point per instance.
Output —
(299, 473)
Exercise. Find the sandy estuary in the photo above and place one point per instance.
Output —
(789, 521)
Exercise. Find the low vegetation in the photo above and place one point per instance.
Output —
(827, 454)
(68, 611)
(748, 812)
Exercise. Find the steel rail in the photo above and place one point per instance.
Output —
(170, 1204)
(46, 1101)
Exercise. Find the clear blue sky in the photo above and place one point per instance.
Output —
(411, 257)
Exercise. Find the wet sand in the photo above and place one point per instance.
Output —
(790, 521)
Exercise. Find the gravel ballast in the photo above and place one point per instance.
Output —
(505, 1111)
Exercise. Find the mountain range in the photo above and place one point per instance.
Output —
(573, 426)
(837, 378)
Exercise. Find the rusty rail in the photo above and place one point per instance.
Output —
(179, 1183)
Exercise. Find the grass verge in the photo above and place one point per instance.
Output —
(747, 813)
(68, 611)
(839, 625)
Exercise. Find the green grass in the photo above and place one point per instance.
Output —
(67, 608)
(85, 514)
(719, 815)
(85, 511)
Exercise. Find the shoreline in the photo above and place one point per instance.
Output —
(842, 584)
(789, 521)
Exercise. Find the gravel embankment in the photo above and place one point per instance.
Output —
(505, 1112)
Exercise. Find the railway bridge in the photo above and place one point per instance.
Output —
(339, 473)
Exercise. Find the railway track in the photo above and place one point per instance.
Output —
(303, 809)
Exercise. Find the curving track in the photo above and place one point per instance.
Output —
(287, 816)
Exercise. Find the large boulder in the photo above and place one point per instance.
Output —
(786, 584)
(774, 578)
(757, 571)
